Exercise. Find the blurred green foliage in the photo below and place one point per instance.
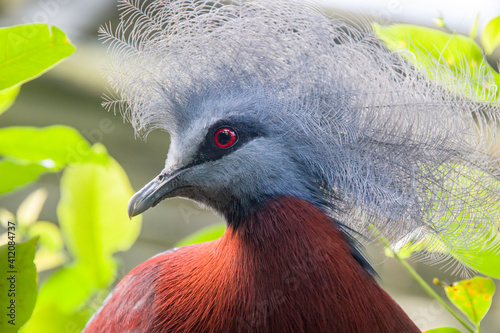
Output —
(29, 152)
(50, 252)
(443, 330)
(206, 234)
(27, 52)
(490, 38)
(92, 215)
(7, 97)
(431, 50)
(18, 289)
(94, 223)
(481, 252)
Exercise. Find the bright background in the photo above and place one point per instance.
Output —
(71, 93)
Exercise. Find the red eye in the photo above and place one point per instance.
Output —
(225, 137)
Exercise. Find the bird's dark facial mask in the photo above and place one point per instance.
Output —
(221, 139)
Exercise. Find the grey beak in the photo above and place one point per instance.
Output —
(155, 191)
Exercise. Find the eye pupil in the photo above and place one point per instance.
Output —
(225, 137)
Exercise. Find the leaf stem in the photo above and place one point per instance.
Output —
(471, 328)
(435, 295)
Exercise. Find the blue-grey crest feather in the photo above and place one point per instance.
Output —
(388, 148)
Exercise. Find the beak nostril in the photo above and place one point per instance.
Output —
(160, 177)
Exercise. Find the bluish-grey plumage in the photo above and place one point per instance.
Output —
(347, 123)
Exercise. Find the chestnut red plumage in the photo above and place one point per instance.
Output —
(286, 268)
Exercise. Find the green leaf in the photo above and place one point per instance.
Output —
(203, 235)
(51, 147)
(6, 217)
(93, 215)
(486, 262)
(67, 289)
(473, 31)
(46, 259)
(30, 50)
(60, 302)
(47, 319)
(17, 285)
(30, 208)
(472, 297)
(444, 330)
(49, 233)
(29, 152)
(491, 35)
(8, 97)
(14, 176)
(453, 61)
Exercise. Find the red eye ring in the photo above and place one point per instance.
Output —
(225, 137)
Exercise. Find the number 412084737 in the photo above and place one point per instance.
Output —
(11, 235)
